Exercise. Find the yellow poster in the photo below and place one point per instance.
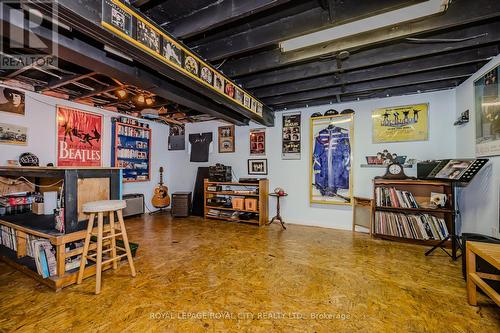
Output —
(401, 123)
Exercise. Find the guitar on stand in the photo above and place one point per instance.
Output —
(161, 199)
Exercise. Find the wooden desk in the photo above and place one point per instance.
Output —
(491, 253)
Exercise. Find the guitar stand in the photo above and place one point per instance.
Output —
(159, 211)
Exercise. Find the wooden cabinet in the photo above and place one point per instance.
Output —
(243, 191)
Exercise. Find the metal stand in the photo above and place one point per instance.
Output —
(278, 216)
(455, 239)
(159, 211)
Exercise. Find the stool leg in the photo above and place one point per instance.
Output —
(85, 248)
(125, 241)
(113, 240)
(98, 269)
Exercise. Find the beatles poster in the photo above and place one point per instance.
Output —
(291, 136)
(258, 141)
(11, 101)
(13, 135)
(331, 160)
(79, 136)
(487, 111)
(401, 123)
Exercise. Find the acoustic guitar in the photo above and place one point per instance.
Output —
(161, 199)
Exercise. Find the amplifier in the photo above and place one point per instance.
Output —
(135, 204)
(181, 204)
(220, 173)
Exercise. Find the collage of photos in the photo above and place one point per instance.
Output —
(291, 136)
(258, 141)
(118, 18)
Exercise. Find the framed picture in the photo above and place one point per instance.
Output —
(79, 138)
(191, 64)
(257, 166)
(219, 82)
(401, 123)
(172, 52)
(13, 135)
(229, 90)
(148, 37)
(11, 101)
(290, 148)
(207, 75)
(331, 159)
(117, 17)
(487, 112)
(226, 139)
(258, 141)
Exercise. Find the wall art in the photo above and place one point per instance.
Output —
(401, 123)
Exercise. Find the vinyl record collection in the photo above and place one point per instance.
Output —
(390, 197)
(413, 226)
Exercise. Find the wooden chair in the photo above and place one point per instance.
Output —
(106, 236)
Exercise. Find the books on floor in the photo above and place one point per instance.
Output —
(412, 226)
(391, 197)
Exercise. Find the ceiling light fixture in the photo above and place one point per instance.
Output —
(121, 93)
(375, 22)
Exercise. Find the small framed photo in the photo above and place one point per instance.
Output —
(257, 166)
(226, 139)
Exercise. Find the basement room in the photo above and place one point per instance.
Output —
(250, 166)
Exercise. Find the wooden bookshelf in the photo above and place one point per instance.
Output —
(262, 191)
(421, 191)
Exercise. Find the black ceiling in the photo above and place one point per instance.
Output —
(242, 38)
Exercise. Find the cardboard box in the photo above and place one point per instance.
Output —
(251, 204)
(37, 208)
(238, 203)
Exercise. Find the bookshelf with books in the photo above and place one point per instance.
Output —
(403, 211)
(237, 202)
(131, 149)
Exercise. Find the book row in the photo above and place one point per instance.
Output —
(413, 226)
(390, 197)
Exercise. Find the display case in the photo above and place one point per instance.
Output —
(131, 151)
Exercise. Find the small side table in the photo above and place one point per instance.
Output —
(278, 216)
(490, 253)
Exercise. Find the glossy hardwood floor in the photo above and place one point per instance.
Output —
(210, 276)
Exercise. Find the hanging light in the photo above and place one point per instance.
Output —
(121, 93)
(149, 101)
(140, 99)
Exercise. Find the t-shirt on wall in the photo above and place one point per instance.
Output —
(200, 145)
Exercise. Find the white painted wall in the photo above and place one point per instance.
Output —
(40, 118)
(293, 175)
(479, 202)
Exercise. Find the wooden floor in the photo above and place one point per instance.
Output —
(210, 276)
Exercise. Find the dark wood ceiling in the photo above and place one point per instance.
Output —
(242, 37)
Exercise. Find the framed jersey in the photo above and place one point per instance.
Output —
(331, 140)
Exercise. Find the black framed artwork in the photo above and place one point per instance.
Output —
(257, 166)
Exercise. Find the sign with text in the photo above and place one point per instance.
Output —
(79, 138)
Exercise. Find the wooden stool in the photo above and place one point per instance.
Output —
(100, 208)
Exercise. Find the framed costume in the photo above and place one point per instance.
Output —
(290, 148)
(258, 141)
(401, 123)
(331, 163)
(487, 111)
(79, 138)
(226, 139)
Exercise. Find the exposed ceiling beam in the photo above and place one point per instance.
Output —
(382, 93)
(293, 26)
(479, 55)
(458, 72)
(366, 58)
(66, 80)
(217, 15)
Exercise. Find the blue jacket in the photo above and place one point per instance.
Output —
(331, 160)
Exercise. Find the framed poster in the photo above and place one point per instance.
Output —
(117, 17)
(331, 159)
(13, 135)
(291, 136)
(191, 65)
(147, 36)
(11, 101)
(258, 141)
(172, 52)
(79, 138)
(401, 123)
(257, 166)
(226, 139)
(487, 112)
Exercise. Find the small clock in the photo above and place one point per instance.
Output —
(395, 171)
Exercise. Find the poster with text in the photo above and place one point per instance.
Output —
(331, 160)
(79, 138)
(401, 123)
(258, 141)
(291, 136)
(487, 112)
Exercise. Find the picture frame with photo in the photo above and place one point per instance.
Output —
(12, 101)
(172, 52)
(13, 134)
(257, 166)
(226, 139)
(148, 37)
(258, 141)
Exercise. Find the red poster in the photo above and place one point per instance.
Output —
(79, 141)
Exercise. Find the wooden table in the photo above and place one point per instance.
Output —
(490, 253)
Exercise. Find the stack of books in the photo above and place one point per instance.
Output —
(390, 197)
(413, 226)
